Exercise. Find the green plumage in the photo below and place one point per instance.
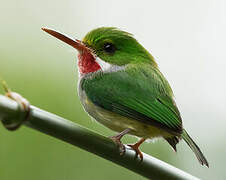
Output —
(127, 48)
(122, 88)
(139, 92)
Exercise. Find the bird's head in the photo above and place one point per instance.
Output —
(106, 47)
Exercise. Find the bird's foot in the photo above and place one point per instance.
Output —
(137, 151)
(24, 106)
(117, 140)
(119, 144)
(135, 147)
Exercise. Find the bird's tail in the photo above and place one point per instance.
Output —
(194, 148)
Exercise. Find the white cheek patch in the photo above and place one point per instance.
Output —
(104, 65)
(107, 67)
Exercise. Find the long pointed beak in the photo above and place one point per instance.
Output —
(74, 43)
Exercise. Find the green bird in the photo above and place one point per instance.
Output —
(121, 87)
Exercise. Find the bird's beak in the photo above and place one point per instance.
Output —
(74, 43)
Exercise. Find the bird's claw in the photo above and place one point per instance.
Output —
(121, 147)
(117, 140)
(137, 151)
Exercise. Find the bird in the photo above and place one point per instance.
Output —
(121, 87)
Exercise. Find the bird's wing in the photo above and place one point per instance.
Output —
(139, 92)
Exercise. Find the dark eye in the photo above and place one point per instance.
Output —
(109, 48)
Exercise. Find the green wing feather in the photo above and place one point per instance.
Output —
(139, 92)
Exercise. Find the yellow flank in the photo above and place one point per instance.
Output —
(119, 123)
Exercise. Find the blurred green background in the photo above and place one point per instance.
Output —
(187, 38)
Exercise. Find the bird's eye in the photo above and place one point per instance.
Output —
(109, 48)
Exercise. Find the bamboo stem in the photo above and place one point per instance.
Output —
(90, 141)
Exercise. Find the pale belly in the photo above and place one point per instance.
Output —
(119, 123)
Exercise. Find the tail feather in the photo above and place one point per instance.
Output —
(194, 148)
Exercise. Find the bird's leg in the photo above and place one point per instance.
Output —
(117, 140)
(23, 104)
(136, 146)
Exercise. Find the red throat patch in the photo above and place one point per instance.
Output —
(87, 63)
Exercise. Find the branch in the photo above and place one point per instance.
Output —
(90, 141)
